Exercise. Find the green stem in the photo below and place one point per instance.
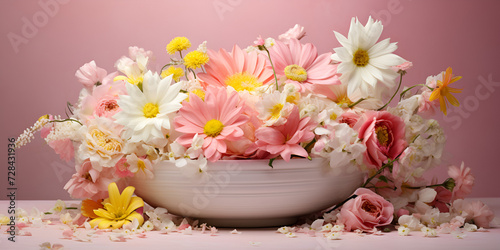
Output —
(271, 162)
(342, 203)
(356, 103)
(309, 145)
(408, 89)
(65, 120)
(397, 90)
(272, 65)
(162, 68)
(388, 164)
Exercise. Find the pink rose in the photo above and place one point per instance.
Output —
(102, 102)
(349, 118)
(366, 211)
(89, 74)
(463, 181)
(383, 135)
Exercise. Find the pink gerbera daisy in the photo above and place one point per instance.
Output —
(300, 64)
(217, 119)
(285, 139)
(238, 69)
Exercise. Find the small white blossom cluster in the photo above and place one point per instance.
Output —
(28, 133)
(426, 142)
(63, 130)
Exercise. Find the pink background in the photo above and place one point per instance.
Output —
(38, 74)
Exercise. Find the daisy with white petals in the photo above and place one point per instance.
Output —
(145, 113)
(363, 61)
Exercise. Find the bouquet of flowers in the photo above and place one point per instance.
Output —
(278, 98)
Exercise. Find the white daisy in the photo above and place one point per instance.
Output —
(274, 109)
(363, 61)
(145, 113)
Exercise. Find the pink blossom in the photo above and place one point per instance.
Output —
(443, 197)
(463, 181)
(68, 233)
(64, 148)
(383, 135)
(366, 211)
(135, 51)
(217, 119)
(122, 168)
(259, 42)
(475, 211)
(225, 65)
(404, 66)
(349, 118)
(300, 64)
(425, 106)
(88, 182)
(296, 32)
(89, 74)
(102, 102)
(285, 139)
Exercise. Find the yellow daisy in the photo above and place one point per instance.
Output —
(442, 90)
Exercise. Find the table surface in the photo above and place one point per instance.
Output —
(263, 238)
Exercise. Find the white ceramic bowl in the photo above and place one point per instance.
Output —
(248, 193)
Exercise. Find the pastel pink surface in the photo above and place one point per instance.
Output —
(38, 74)
(260, 238)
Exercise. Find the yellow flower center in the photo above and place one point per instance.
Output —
(296, 73)
(361, 58)
(343, 100)
(87, 176)
(102, 140)
(213, 128)
(382, 135)
(150, 110)
(333, 116)
(276, 110)
(243, 81)
(293, 98)
(141, 165)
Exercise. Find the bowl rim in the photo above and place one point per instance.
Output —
(254, 164)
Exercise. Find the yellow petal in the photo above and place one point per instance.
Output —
(443, 105)
(453, 101)
(456, 78)
(110, 224)
(135, 203)
(118, 78)
(110, 208)
(114, 195)
(103, 213)
(127, 195)
(447, 76)
(435, 95)
(95, 222)
(455, 90)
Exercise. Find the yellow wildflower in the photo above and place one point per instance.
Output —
(195, 59)
(442, 90)
(178, 44)
(176, 73)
